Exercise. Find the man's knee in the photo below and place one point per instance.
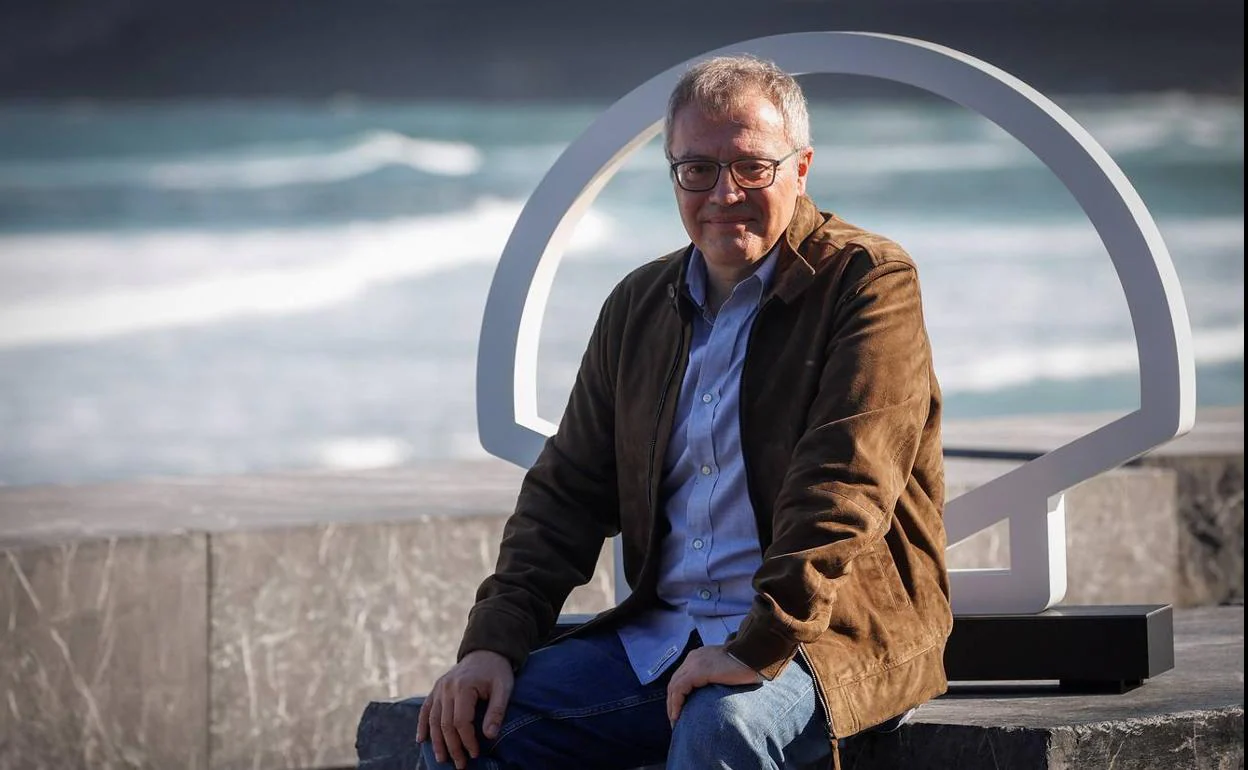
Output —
(718, 721)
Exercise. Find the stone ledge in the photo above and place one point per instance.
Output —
(1196, 740)
(1127, 542)
(1190, 717)
(50, 514)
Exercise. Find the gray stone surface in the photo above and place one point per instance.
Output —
(1189, 717)
(102, 655)
(51, 514)
(1210, 499)
(1200, 741)
(310, 623)
(1120, 523)
(1122, 535)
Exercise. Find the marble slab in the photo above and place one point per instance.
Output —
(1210, 499)
(102, 655)
(310, 624)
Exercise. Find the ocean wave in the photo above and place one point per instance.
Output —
(921, 157)
(983, 371)
(1153, 125)
(1165, 122)
(63, 287)
(250, 273)
(952, 241)
(254, 167)
(1143, 143)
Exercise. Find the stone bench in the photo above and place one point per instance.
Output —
(1190, 717)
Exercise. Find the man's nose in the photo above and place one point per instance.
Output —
(726, 190)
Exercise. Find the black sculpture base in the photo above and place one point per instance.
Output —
(1086, 649)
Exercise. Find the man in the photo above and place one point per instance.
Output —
(757, 414)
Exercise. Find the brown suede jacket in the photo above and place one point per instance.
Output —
(840, 431)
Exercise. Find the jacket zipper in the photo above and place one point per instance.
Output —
(749, 485)
(814, 677)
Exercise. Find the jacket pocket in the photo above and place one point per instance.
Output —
(885, 581)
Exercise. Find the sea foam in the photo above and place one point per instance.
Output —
(251, 167)
(235, 274)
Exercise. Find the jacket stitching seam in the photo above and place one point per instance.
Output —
(877, 272)
(883, 669)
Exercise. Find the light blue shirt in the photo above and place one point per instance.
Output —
(709, 558)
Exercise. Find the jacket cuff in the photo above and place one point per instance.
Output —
(498, 632)
(760, 648)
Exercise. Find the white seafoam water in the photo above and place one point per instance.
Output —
(255, 167)
(330, 266)
(196, 289)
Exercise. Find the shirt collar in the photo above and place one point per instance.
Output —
(696, 277)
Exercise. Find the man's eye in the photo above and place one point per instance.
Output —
(750, 167)
(699, 169)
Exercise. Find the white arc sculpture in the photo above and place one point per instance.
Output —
(1030, 496)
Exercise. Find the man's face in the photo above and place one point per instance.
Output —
(735, 227)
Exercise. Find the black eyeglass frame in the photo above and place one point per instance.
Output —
(774, 164)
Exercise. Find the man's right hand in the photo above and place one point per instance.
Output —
(447, 715)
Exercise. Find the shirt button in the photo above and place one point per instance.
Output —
(697, 544)
(704, 594)
(707, 398)
(706, 470)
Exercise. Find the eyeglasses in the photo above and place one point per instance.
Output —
(749, 173)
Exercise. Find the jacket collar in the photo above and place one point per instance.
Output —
(794, 273)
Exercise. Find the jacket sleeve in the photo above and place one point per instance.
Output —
(567, 507)
(850, 465)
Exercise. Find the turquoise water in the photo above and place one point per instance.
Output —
(219, 288)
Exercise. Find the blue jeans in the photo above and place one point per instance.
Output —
(578, 704)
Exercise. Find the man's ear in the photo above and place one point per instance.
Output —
(804, 159)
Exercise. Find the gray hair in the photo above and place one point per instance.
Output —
(718, 86)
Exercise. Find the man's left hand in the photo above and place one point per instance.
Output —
(703, 666)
